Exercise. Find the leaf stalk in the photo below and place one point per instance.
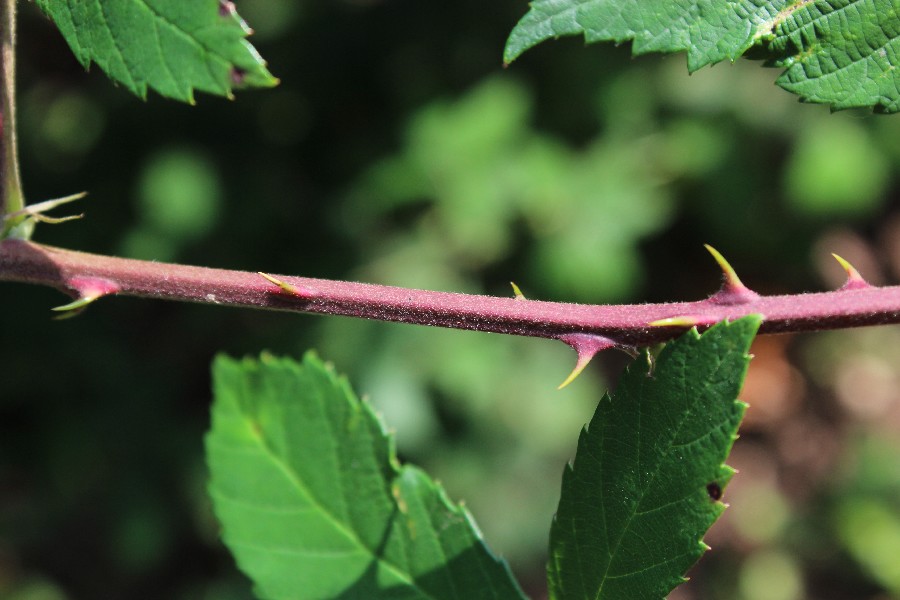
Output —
(12, 199)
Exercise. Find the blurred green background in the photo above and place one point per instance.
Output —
(397, 150)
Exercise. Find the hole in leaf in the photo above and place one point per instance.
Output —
(714, 490)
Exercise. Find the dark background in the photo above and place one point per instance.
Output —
(398, 150)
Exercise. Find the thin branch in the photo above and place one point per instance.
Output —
(88, 277)
(11, 198)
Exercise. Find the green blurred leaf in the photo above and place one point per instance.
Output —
(170, 46)
(180, 193)
(839, 52)
(643, 488)
(476, 172)
(821, 182)
(770, 575)
(870, 529)
(314, 504)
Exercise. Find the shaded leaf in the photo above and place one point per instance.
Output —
(841, 52)
(649, 473)
(314, 505)
(171, 46)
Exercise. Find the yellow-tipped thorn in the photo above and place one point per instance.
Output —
(285, 287)
(517, 291)
(676, 322)
(854, 279)
(76, 304)
(731, 278)
(733, 291)
(587, 345)
(86, 290)
(579, 367)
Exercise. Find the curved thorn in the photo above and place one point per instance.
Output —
(854, 281)
(733, 289)
(87, 290)
(587, 346)
(579, 367)
(731, 278)
(76, 305)
(286, 287)
(517, 291)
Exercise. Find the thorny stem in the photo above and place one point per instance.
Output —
(89, 276)
(11, 198)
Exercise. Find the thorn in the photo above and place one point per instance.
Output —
(587, 345)
(75, 307)
(733, 290)
(87, 290)
(731, 278)
(288, 288)
(685, 321)
(854, 281)
(517, 291)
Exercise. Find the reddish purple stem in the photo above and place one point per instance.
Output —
(629, 325)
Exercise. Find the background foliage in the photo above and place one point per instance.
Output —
(397, 150)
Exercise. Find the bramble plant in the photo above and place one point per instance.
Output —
(304, 477)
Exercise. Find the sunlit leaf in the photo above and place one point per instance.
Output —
(171, 46)
(841, 52)
(314, 505)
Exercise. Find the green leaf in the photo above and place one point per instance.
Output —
(649, 469)
(841, 52)
(314, 505)
(171, 46)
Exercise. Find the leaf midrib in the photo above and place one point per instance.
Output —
(650, 481)
(301, 487)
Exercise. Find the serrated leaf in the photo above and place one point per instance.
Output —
(171, 46)
(708, 30)
(845, 53)
(314, 505)
(841, 52)
(649, 470)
